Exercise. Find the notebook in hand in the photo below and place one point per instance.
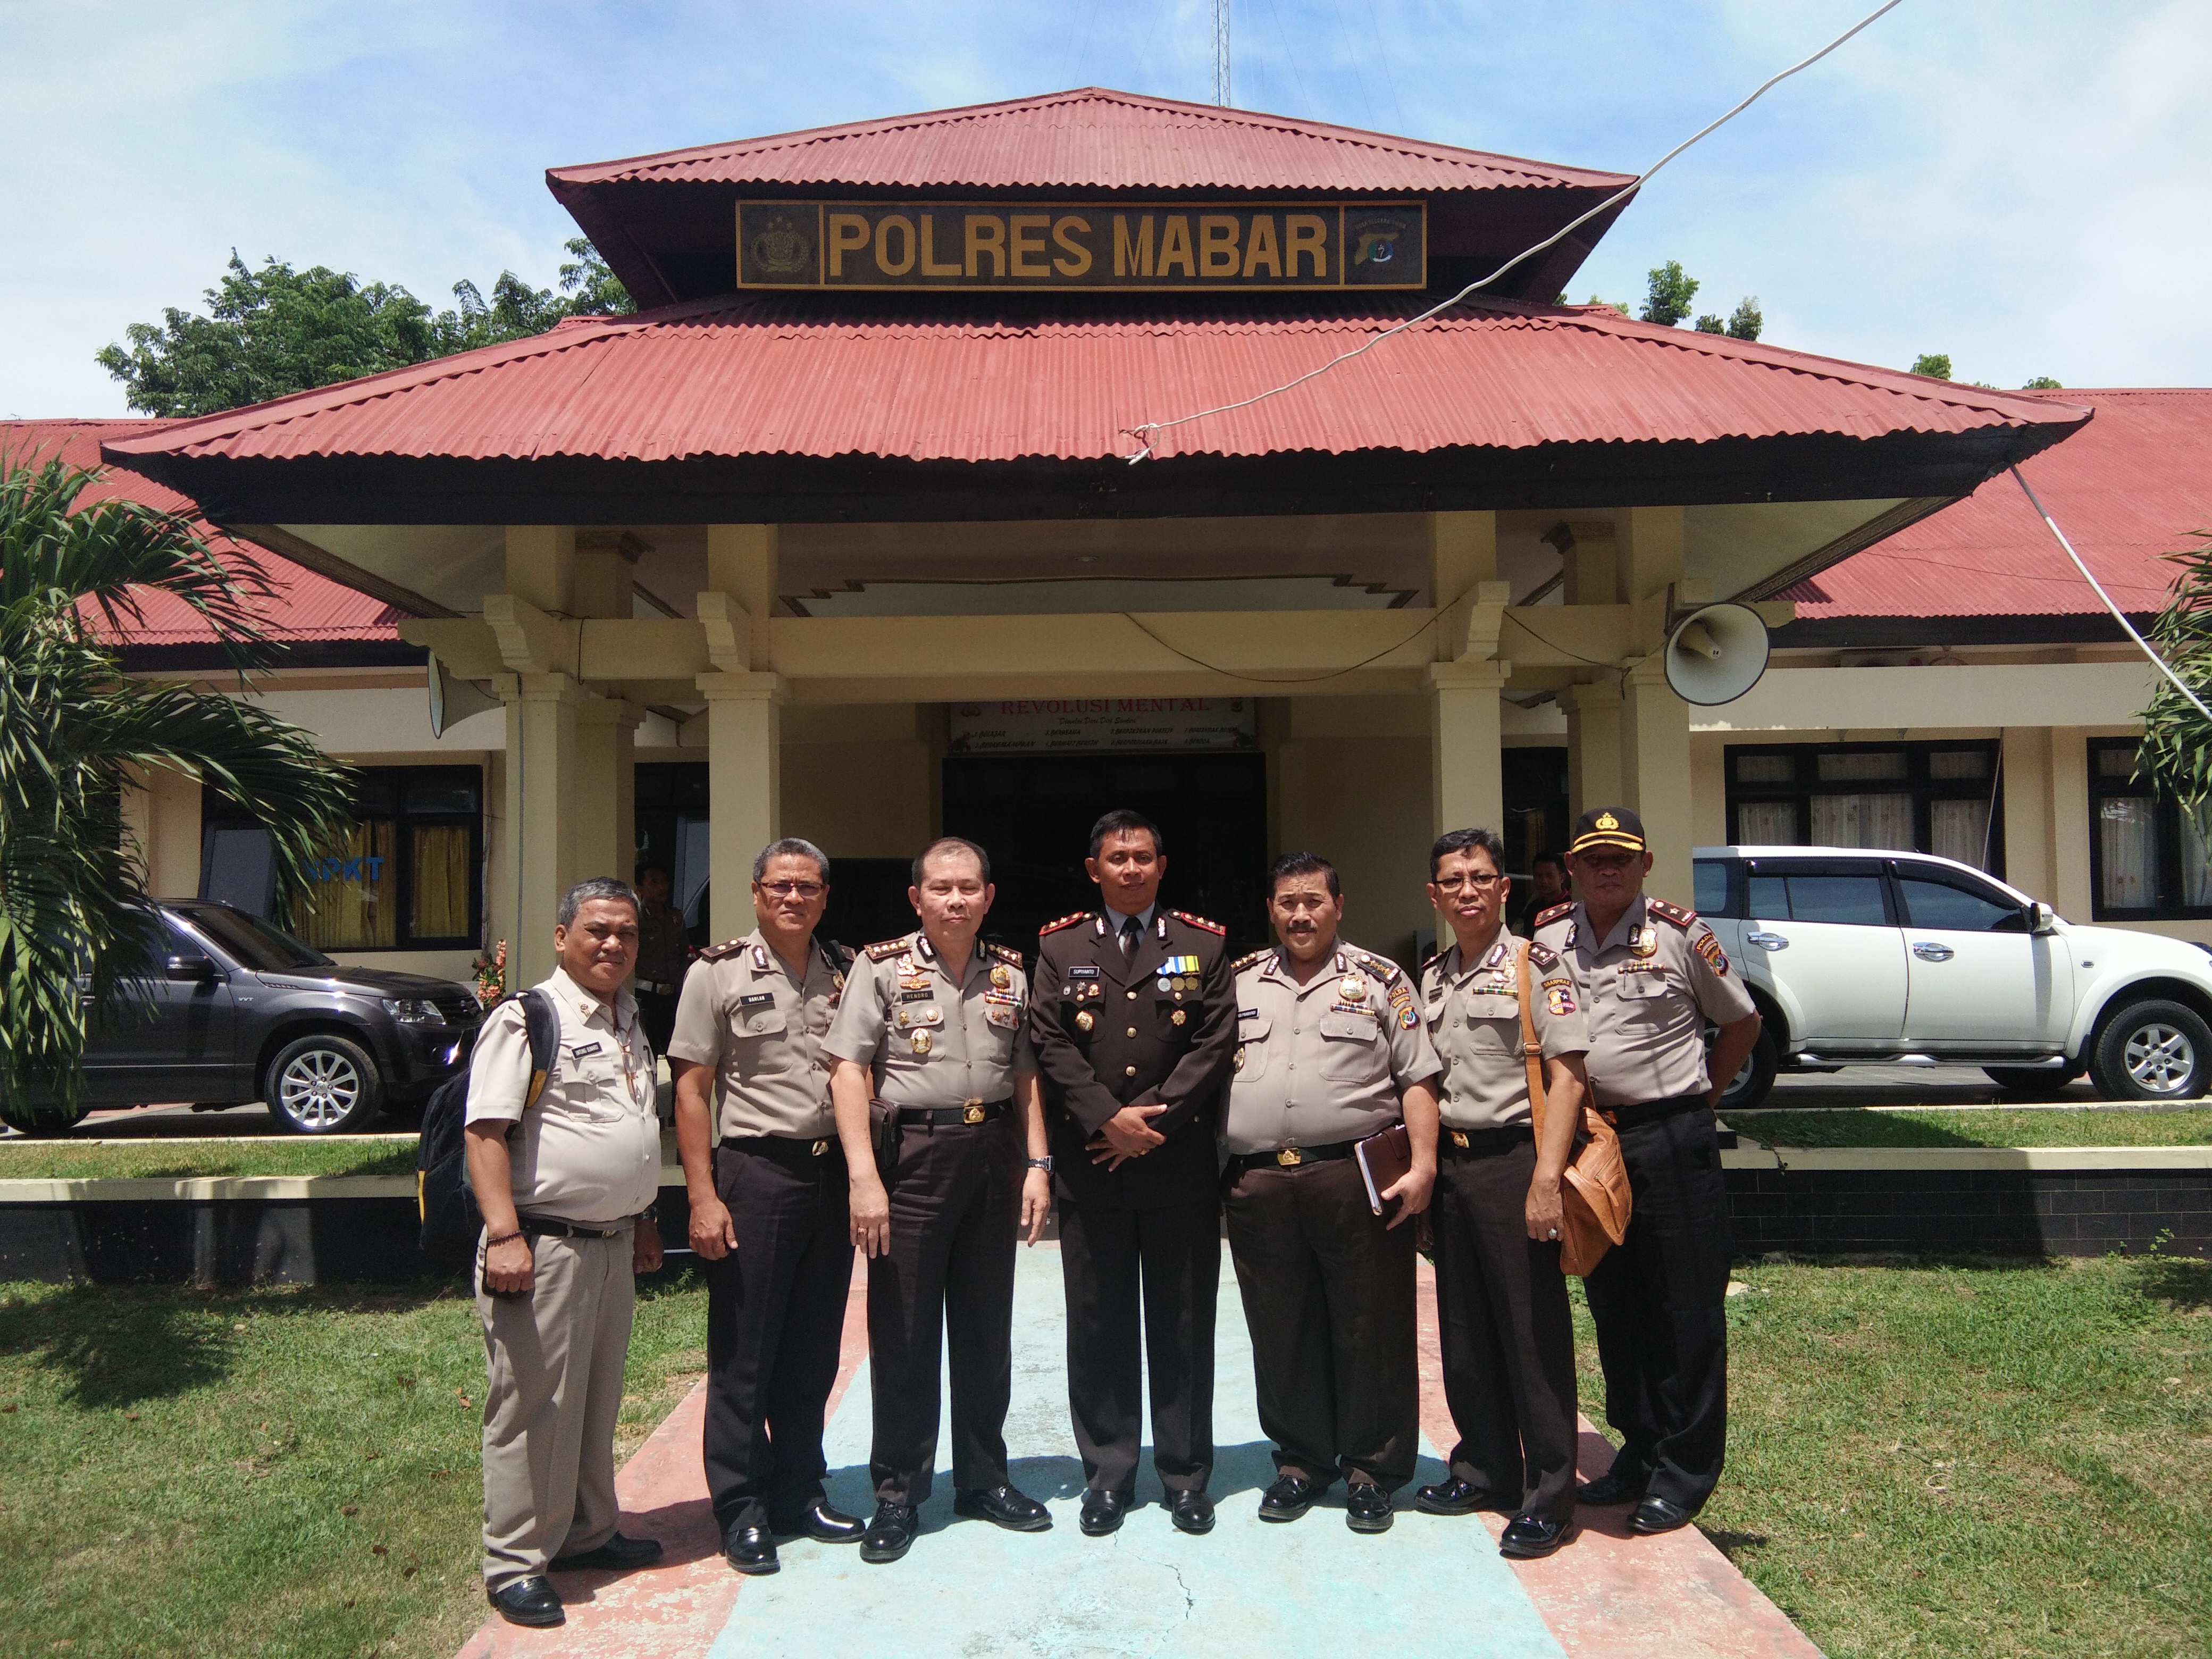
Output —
(1384, 1160)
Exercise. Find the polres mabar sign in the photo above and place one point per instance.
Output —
(1043, 726)
(1043, 246)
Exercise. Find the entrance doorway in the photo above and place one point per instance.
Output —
(1033, 814)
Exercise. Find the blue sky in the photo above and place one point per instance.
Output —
(2017, 183)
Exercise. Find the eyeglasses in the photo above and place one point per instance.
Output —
(1453, 884)
(804, 890)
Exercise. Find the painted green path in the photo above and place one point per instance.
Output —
(969, 1590)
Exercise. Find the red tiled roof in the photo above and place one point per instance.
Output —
(2129, 487)
(782, 375)
(1090, 138)
(305, 606)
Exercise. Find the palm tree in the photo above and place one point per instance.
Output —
(75, 733)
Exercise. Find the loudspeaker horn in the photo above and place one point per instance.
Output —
(1717, 654)
(453, 700)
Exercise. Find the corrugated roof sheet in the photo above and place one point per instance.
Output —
(304, 606)
(2129, 487)
(1091, 138)
(785, 376)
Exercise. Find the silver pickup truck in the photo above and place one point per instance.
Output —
(1858, 957)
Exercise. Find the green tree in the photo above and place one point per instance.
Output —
(1935, 364)
(75, 733)
(1667, 301)
(2177, 742)
(2043, 383)
(1744, 323)
(277, 331)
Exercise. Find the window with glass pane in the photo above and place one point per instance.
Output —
(1960, 829)
(1863, 821)
(1913, 796)
(1766, 769)
(1887, 766)
(1710, 894)
(1848, 901)
(1936, 904)
(353, 891)
(1767, 823)
(2147, 856)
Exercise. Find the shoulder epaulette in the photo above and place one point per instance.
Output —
(1382, 967)
(1005, 953)
(1200, 922)
(1251, 961)
(1557, 913)
(1543, 955)
(839, 953)
(883, 950)
(1431, 960)
(1674, 913)
(722, 952)
(1065, 921)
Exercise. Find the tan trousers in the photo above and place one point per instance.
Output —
(556, 1363)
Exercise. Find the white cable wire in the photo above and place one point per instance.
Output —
(2118, 615)
(1155, 428)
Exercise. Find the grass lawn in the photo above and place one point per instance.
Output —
(2048, 1127)
(1996, 1460)
(275, 1155)
(272, 1471)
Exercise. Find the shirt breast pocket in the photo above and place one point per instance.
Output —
(1349, 1043)
(1003, 1017)
(766, 1020)
(1493, 1023)
(1642, 994)
(1252, 1046)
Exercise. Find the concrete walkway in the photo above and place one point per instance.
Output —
(969, 1590)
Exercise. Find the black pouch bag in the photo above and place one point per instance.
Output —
(884, 1135)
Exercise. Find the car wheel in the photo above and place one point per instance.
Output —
(2031, 1082)
(322, 1085)
(1754, 1079)
(37, 1122)
(2153, 1050)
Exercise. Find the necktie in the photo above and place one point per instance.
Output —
(1128, 936)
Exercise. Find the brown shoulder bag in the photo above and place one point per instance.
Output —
(1594, 1196)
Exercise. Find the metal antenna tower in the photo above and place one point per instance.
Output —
(1221, 53)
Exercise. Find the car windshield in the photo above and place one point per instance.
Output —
(253, 941)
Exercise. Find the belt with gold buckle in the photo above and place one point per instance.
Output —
(1288, 1157)
(967, 1112)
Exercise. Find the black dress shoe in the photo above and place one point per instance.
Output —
(1191, 1512)
(1658, 1515)
(1527, 1538)
(751, 1551)
(1458, 1496)
(1005, 1507)
(891, 1534)
(1366, 1507)
(1103, 1511)
(825, 1524)
(1291, 1497)
(617, 1552)
(529, 1600)
(1618, 1485)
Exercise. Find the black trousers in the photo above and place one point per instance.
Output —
(950, 1273)
(1506, 1337)
(1329, 1295)
(1173, 1252)
(1658, 1300)
(775, 1316)
(656, 1012)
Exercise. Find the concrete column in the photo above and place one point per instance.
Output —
(2069, 821)
(1589, 555)
(603, 792)
(1465, 786)
(606, 563)
(744, 795)
(1654, 774)
(541, 566)
(541, 817)
(2031, 813)
(1593, 745)
(1463, 554)
(741, 562)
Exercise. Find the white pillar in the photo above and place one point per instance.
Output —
(1466, 785)
(540, 816)
(744, 795)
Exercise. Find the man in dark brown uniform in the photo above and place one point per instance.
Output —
(767, 1206)
(663, 955)
(1134, 1020)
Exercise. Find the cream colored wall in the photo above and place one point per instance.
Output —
(859, 778)
(167, 818)
(1353, 786)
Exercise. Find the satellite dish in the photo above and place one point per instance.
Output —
(1717, 654)
(453, 700)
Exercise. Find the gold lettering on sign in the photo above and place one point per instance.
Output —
(1306, 232)
(1132, 259)
(1261, 247)
(986, 233)
(1217, 245)
(1026, 244)
(904, 226)
(1174, 247)
(930, 267)
(1077, 262)
(848, 232)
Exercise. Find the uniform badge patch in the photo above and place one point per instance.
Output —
(1085, 1020)
(1239, 1062)
(1353, 989)
(1644, 941)
(1179, 1016)
(1407, 1018)
(1001, 978)
(921, 1042)
(1559, 998)
(1710, 948)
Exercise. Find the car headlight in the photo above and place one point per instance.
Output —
(413, 1010)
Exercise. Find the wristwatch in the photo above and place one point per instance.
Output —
(1044, 1163)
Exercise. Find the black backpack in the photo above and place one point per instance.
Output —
(451, 1220)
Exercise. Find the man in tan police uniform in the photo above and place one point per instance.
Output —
(768, 1207)
(1649, 975)
(935, 1025)
(1330, 1051)
(1506, 1337)
(566, 1187)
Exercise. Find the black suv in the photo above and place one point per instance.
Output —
(241, 1012)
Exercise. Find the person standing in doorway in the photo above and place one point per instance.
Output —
(768, 1207)
(1330, 1051)
(1549, 884)
(1649, 975)
(932, 1034)
(1506, 1337)
(1133, 1023)
(663, 955)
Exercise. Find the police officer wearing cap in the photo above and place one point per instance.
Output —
(767, 1206)
(1506, 1335)
(1331, 1050)
(1133, 1021)
(934, 1026)
(1650, 975)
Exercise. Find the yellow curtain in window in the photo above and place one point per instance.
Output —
(354, 887)
(441, 882)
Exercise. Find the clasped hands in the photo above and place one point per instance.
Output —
(1128, 1134)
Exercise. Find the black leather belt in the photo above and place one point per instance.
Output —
(1481, 1143)
(974, 1111)
(785, 1149)
(539, 1227)
(1287, 1157)
(1650, 1111)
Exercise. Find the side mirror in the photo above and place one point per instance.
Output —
(2041, 918)
(195, 968)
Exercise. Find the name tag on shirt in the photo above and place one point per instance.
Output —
(758, 999)
(1082, 971)
(922, 995)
